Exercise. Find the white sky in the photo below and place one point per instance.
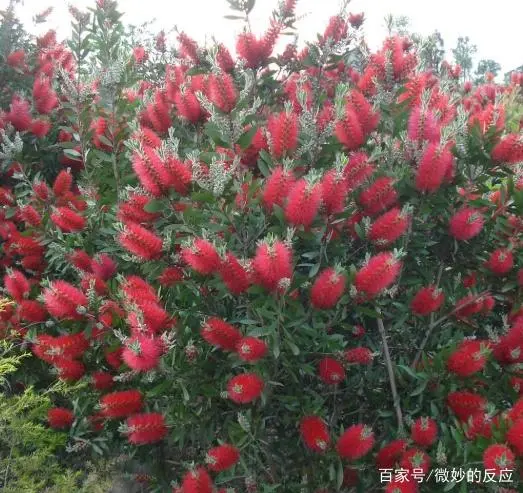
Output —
(493, 25)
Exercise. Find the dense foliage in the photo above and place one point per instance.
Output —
(260, 272)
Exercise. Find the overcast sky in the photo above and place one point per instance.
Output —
(493, 25)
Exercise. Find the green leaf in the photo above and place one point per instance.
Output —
(154, 206)
(246, 138)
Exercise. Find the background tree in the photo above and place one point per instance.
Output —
(464, 55)
(485, 66)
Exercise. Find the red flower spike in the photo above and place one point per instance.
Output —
(69, 370)
(102, 380)
(464, 404)
(427, 300)
(142, 353)
(388, 227)
(424, 431)
(501, 262)
(389, 455)
(60, 418)
(272, 264)
(498, 457)
(379, 273)
(64, 301)
(315, 433)
(283, 128)
(379, 196)
(334, 189)
(121, 404)
(327, 289)
(245, 388)
(234, 275)
(277, 187)
(222, 457)
(62, 184)
(68, 220)
(197, 481)
(222, 92)
(414, 459)
(202, 257)
(17, 285)
(359, 356)
(141, 242)
(171, 276)
(466, 223)
(146, 428)
(251, 349)
(469, 358)
(331, 371)
(220, 334)
(356, 442)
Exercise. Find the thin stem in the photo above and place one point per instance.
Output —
(392, 378)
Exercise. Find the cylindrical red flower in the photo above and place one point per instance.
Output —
(379, 196)
(355, 442)
(202, 257)
(146, 428)
(197, 481)
(68, 220)
(220, 334)
(331, 371)
(500, 261)
(222, 92)
(251, 349)
(334, 188)
(222, 457)
(498, 457)
(141, 242)
(60, 418)
(121, 404)
(276, 188)
(427, 300)
(358, 169)
(315, 433)
(424, 431)
(387, 228)
(64, 301)
(17, 285)
(378, 274)
(234, 275)
(359, 356)
(272, 264)
(303, 203)
(389, 455)
(142, 353)
(328, 288)
(245, 388)
(283, 128)
(469, 358)
(464, 404)
(466, 223)
(102, 380)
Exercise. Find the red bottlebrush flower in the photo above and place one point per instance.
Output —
(68, 220)
(222, 92)
(466, 223)
(142, 353)
(479, 425)
(283, 128)
(469, 305)
(433, 168)
(356, 20)
(328, 288)
(146, 428)
(245, 388)
(133, 210)
(470, 281)
(139, 54)
(188, 106)
(197, 481)
(30, 215)
(136, 289)
(251, 349)
(368, 118)
(141, 242)
(336, 30)
(69, 346)
(389, 455)
(334, 190)
(402, 485)
(424, 431)
(498, 457)
(358, 169)
(250, 49)
(509, 150)
(121, 404)
(19, 115)
(515, 436)
(102, 380)
(234, 275)
(315, 433)
(222, 457)
(16, 59)
(220, 334)
(69, 370)
(60, 418)
(170, 276)
(389, 227)
(31, 311)
(40, 128)
(17, 285)
(331, 371)
(427, 300)
(181, 175)
(43, 95)
(114, 358)
(359, 356)
(188, 48)
(64, 301)
(414, 459)
(277, 187)
(153, 317)
(81, 260)
(379, 196)
(464, 403)
(348, 130)
(378, 274)
(202, 257)
(224, 58)
(151, 171)
(355, 442)
(103, 266)
(500, 261)
(272, 264)
(303, 203)
(423, 125)
(469, 358)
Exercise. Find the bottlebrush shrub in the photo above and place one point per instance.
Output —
(263, 270)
